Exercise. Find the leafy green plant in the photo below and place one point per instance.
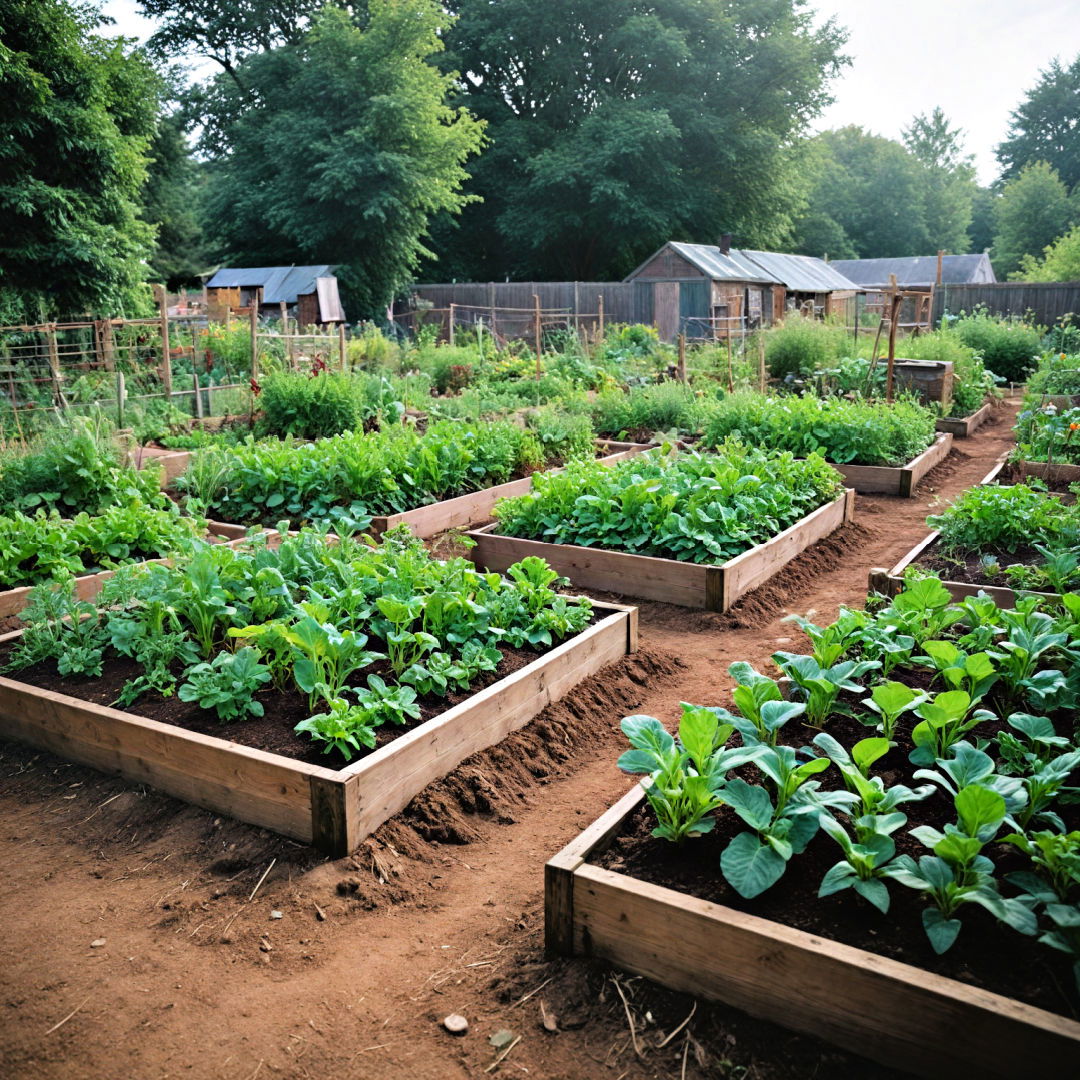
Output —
(890, 700)
(821, 686)
(874, 797)
(945, 719)
(227, 684)
(865, 858)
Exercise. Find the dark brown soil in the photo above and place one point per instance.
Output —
(986, 954)
(282, 710)
(196, 979)
(969, 568)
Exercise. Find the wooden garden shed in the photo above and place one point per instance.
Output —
(309, 293)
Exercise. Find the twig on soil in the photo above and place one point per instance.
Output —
(61, 1023)
(100, 805)
(522, 1000)
(629, 1019)
(258, 884)
(258, 1068)
(685, 1054)
(663, 1042)
(499, 1059)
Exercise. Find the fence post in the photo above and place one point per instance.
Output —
(198, 395)
(450, 329)
(166, 359)
(536, 332)
(894, 310)
(342, 352)
(600, 311)
(253, 315)
(121, 399)
(286, 342)
(682, 358)
(54, 367)
(107, 348)
(761, 363)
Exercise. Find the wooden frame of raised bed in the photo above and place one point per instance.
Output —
(898, 1014)
(334, 809)
(883, 480)
(87, 586)
(891, 582)
(964, 427)
(692, 585)
(1052, 472)
(173, 463)
(465, 511)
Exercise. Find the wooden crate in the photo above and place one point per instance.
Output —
(334, 809)
(693, 585)
(882, 480)
(963, 427)
(898, 1014)
(468, 510)
(87, 586)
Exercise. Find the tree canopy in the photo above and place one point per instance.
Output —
(339, 147)
(78, 117)
(1060, 261)
(1034, 210)
(1046, 126)
(616, 125)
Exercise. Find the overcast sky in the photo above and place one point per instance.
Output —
(974, 58)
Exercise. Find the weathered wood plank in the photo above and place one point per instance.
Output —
(261, 788)
(1052, 473)
(881, 480)
(387, 780)
(893, 1012)
(964, 427)
(754, 567)
(927, 460)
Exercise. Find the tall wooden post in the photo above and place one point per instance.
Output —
(107, 347)
(600, 312)
(256, 298)
(54, 367)
(536, 332)
(166, 358)
(682, 358)
(283, 314)
(198, 395)
(342, 351)
(730, 365)
(450, 333)
(894, 310)
(761, 363)
(121, 398)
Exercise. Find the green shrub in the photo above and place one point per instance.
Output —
(999, 519)
(842, 431)
(641, 411)
(1007, 348)
(1048, 435)
(563, 436)
(1057, 373)
(801, 346)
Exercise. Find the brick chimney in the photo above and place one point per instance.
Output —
(725, 243)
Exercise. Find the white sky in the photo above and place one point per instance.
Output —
(974, 58)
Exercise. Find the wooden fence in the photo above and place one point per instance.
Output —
(1044, 302)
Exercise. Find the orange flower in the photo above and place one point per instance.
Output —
(1074, 426)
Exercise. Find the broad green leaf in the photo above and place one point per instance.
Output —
(750, 866)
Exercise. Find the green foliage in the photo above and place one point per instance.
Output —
(340, 140)
(1001, 518)
(703, 508)
(562, 436)
(645, 410)
(227, 684)
(78, 117)
(1034, 209)
(594, 163)
(842, 431)
(347, 478)
(312, 406)
(1048, 434)
(1060, 260)
(1008, 348)
(801, 346)
(1058, 372)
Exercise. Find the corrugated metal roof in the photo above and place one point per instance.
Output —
(917, 270)
(278, 283)
(712, 262)
(800, 273)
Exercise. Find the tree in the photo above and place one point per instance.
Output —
(617, 125)
(1060, 261)
(1034, 209)
(871, 190)
(78, 117)
(1046, 126)
(948, 179)
(340, 148)
(981, 229)
(172, 200)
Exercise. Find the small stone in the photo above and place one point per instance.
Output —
(277, 914)
(97, 943)
(456, 1024)
(265, 945)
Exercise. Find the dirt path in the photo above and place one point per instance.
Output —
(130, 946)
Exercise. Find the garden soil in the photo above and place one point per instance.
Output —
(144, 938)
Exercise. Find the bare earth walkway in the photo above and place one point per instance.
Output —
(143, 938)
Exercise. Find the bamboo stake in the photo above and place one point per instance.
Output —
(54, 367)
(166, 359)
(536, 332)
(198, 396)
(342, 352)
(682, 358)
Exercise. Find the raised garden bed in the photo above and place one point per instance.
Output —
(334, 809)
(173, 463)
(693, 585)
(896, 1013)
(964, 427)
(475, 507)
(87, 586)
(882, 480)
(1051, 472)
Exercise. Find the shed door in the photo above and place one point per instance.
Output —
(666, 309)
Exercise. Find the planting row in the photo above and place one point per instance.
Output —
(907, 787)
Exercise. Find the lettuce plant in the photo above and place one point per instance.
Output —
(865, 857)
(821, 686)
(227, 684)
(945, 719)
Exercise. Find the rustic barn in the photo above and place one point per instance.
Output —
(718, 288)
(310, 293)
